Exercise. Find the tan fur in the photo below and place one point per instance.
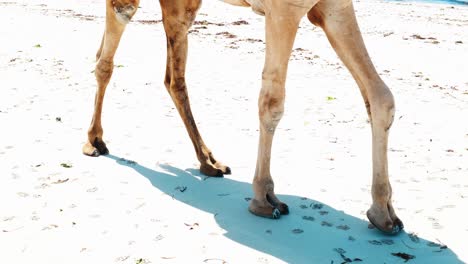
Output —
(335, 17)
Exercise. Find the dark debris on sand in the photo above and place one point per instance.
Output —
(405, 256)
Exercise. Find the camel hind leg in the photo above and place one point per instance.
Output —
(337, 18)
(118, 13)
(178, 16)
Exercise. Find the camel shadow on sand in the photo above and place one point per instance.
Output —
(312, 233)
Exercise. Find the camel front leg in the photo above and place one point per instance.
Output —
(338, 20)
(178, 16)
(282, 22)
(118, 14)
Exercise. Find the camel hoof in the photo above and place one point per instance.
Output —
(390, 228)
(96, 149)
(224, 169)
(95, 153)
(216, 170)
(275, 214)
(211, 171)
(264, 211)
(283, 208)
(227, 170)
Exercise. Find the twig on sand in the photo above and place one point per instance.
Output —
(215, 260)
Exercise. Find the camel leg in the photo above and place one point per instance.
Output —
(118, 13)
(178, 16)
(337, 18)
(282, 22)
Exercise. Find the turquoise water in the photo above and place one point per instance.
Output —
(452, 2)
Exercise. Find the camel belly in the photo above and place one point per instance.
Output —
(257, 5)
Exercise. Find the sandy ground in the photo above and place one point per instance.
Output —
(147, 202)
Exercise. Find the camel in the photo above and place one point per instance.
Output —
(336, 17)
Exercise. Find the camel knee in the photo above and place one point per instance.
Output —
(315, 16)
(178, 89)
(103, 72)
(321, 12)
(382, 109)
(271, 103)
(271, 109)
(179, 17)
(124, 9)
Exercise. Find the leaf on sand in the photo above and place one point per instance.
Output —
(404, 256)
(417, 36)
(388, 34)
(38, 46)
(66, 165)
(91, 190)
(181, 188)
(61, 181)
(50, 227)
(142, 261)
(331, 98)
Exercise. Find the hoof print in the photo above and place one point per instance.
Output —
(308, 218)
(297, 231)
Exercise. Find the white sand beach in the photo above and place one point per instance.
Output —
(146, 202)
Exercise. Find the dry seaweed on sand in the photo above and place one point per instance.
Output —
(405, 256)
